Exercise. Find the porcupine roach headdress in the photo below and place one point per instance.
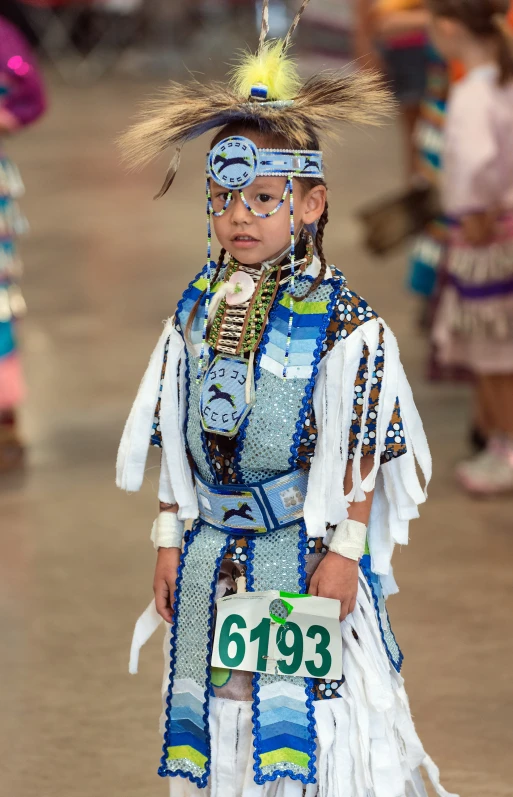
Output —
(265, 90)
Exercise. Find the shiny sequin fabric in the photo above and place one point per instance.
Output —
(267, 443)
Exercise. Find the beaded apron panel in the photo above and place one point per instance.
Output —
(283, 724)
(186, 749)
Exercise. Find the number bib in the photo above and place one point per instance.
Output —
(279, 632)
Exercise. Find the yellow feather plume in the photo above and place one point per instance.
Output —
(272, 67)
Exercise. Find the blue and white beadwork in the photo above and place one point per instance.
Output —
(235, 162)
(223, 404)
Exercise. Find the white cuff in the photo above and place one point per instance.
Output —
(349, 539)
(167, 531)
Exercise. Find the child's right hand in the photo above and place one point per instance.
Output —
(164, 583)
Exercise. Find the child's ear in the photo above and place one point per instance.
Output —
(315, 202)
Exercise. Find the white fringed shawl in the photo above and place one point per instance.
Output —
(398, 491)
(176, 483)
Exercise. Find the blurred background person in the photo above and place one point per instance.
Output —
(429, 248)
(328, 33)
(474, 322)
(22, 101)
(392, 35)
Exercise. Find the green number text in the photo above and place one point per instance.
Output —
(261, 632)
(226, 637)
(321, 649)
(295, 649)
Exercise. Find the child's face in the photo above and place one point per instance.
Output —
(250, 239)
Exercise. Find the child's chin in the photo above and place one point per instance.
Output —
(247, 257)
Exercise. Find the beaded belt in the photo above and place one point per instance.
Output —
(253, 508)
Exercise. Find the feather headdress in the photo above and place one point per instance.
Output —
(264, 89)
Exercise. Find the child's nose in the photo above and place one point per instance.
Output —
(240, 213)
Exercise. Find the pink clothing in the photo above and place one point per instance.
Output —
(411, 39)
(19, 75)
(12, 386)
(478, 153)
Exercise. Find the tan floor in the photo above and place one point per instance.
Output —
(104, 267)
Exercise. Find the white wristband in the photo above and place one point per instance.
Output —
(349, 539)
(167, 531)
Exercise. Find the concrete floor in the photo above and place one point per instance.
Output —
(104, 266)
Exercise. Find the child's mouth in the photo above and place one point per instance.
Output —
(245, 241)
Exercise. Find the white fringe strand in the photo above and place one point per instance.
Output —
(397, 489)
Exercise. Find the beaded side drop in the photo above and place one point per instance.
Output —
(292, 277)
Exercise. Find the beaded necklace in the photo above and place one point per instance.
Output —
(237, 329)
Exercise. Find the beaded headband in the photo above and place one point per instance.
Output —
(235, 162)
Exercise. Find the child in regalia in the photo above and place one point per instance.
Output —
(290, 437)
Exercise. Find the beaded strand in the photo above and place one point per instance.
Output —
(292, 276)
(209, 281)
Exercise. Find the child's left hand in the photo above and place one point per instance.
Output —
(337, 577)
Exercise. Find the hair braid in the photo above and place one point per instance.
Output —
(220, 263)
(319, 238)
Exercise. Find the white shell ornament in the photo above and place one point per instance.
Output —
(240, 288)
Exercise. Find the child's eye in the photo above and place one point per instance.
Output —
(264, 197)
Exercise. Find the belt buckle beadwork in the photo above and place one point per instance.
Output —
(223, 405)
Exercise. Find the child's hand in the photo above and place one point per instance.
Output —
(337, 577)
(478, 228)
(164, 583)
